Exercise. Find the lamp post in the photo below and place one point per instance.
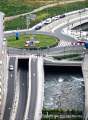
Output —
(28, 19)
(80, 23)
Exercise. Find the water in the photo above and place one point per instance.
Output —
(64, 89)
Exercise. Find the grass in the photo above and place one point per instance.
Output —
(44, 41)
(17, 23)
(60, 9)
(10, 8)
(76, 118)
(54, 114)
(67, 56)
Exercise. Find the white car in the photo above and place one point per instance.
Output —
(11, 68)
(55, 18)
(48, 21)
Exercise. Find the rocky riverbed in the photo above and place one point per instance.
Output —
(64, 90)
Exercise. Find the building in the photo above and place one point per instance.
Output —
(3, 65)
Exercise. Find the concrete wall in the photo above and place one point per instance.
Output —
(40, 95)
(85, 75)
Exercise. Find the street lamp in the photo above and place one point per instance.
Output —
(80, 22)
(28, 19)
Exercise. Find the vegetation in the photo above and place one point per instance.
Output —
(44, 41)
(59, 114)
(14, 8)
(72, 56)
(76, 118)
(60, 9)
(61, 111)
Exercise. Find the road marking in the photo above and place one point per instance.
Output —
(11, 75)
(34, 74)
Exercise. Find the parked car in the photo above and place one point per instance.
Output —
(11, 68)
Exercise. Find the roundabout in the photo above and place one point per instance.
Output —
(32, 41)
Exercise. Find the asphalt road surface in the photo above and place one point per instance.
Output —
(33, 99)
(10, 92)
(22, 77)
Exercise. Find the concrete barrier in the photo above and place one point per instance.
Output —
(40, 94)
(85, 76)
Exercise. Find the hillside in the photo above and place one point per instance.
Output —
(14, 7)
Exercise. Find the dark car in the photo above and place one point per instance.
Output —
(37, 27)
(62, 16)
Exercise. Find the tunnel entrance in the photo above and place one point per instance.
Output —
(63, 69)
(23, 63)
(23, 78)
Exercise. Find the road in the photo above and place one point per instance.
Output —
(34, 88)
(61, 36)
(58, 32)
(23, 78)
(10, 90)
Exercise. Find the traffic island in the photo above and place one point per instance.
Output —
(35, 41)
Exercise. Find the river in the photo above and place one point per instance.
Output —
(64, 88)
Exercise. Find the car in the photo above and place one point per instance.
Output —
(48, 21)
(38, 27)
(55, 18)
(78, 43)
(62, 16)
(11, 68)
